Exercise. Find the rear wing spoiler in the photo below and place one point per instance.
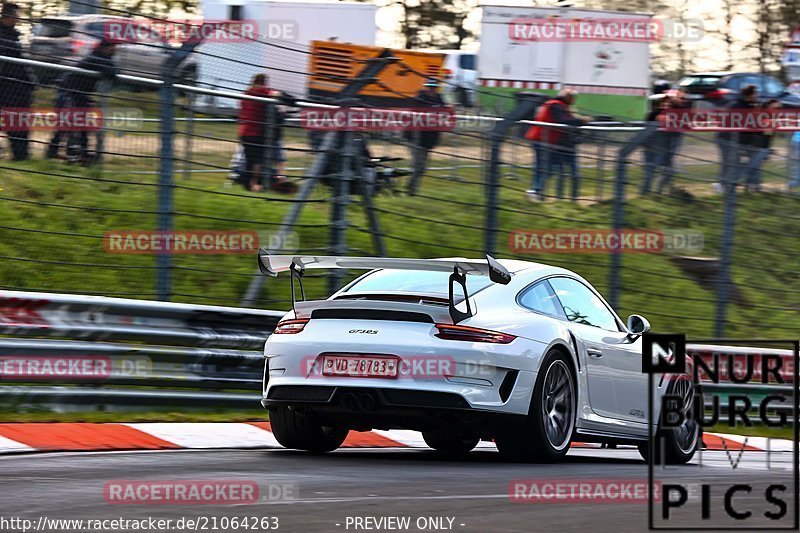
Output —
(272, 265)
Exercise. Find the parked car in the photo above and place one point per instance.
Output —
(65, 39)
(719, 88)
(461, 70)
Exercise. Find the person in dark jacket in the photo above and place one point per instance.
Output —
(733, 145)
(654, 150)
(16, 81)
(75, 92)
(422, 142)
(758, 152)
(566, 155)
(670, 141)
(546, 139)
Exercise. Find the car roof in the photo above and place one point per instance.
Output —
(526, 268)
(512, 265)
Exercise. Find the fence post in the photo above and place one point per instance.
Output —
(617, 224)
(166, 97)
(188, 133)
(165, 182)
(728, 225)
(492, 183)
(103, 88)
(600, 165)
(526, 104)
(618, 217)
(339, 210)
(270, 147)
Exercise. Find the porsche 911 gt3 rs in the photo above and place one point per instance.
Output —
(524, 354)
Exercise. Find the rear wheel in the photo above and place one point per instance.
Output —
(450, 442)
(677, 445)
(303, 432)
(546, 433)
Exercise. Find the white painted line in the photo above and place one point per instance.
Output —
(209, 435)
(405, 437)
(762, 443)
(8, 445)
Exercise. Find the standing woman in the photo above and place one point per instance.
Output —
(252, 122)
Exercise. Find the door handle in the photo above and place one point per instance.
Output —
(594, 352)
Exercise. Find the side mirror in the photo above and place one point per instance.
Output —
(637, 325)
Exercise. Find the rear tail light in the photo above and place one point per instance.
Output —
(717, 94)
(452, 332)
(77, 45)
(294, 325)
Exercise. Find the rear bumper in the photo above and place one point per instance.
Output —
(386, 408)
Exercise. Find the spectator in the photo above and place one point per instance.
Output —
(732, 145)
(252, 131)
(74, 92)
(16, 82)
(422, 142)
(255, 122)
(758, 152)
(671, 142)
(566, 159)
(795, 148)
(546, 139)
(654, 150)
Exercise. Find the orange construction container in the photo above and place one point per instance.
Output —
(333, 65)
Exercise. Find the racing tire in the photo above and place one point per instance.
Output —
(677, 446)
(450, 442)
(547, 430)
(302, 432)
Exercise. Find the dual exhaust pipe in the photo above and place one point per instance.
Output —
(358, 401)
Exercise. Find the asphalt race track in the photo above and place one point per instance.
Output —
(473, 491)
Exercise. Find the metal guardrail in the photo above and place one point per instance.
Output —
(129, 352)
(159, 354)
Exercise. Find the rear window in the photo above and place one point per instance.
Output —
(468, 62)
(699, 81)
(98, 29)
(52, 28)
(414, 282)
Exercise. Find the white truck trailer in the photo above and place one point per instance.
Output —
(285, 30)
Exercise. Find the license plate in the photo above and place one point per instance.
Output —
(360, 366)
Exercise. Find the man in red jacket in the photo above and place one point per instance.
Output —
(546, 139)
(252, 133)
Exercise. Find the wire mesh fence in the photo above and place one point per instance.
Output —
(170, 158)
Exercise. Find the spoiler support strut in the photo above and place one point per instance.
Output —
(458, 277)
(297, 271)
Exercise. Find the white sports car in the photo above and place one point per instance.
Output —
(525, 354)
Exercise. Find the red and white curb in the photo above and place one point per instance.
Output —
(31, 437)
